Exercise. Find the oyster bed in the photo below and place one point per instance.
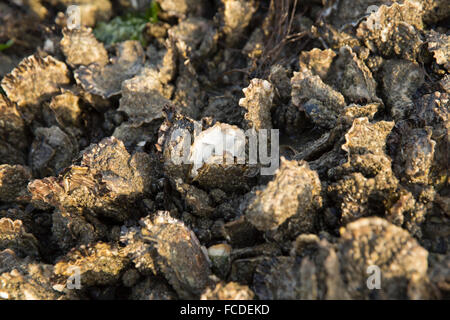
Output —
(92, 205)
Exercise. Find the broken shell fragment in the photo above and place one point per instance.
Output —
(219, 255)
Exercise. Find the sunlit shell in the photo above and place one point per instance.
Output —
(81, 48)
(34, 80)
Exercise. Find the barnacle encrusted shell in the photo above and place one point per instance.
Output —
(13, 181)
(439, 45)
(295, 191)
(81, 48)
(106, 81)
(319, 100)
(98, 264)
(393, 30)
(237, 15)
(228, 291)
(34, 80)
(258, 102)
(107, 182)
(180, 256)
(402, 261)
(400, 81)
(51, 151)
(13, 236)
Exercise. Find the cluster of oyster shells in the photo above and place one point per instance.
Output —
(110, 186)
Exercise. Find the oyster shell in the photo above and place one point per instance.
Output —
(295, 191)
(13, 236)
(98, 264)
(81, 48)
(13, 181)
(106, 81)
(402, 260)
(33, 81)
(107, 178)
(258, 102)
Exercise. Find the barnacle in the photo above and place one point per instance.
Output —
(106, 81)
